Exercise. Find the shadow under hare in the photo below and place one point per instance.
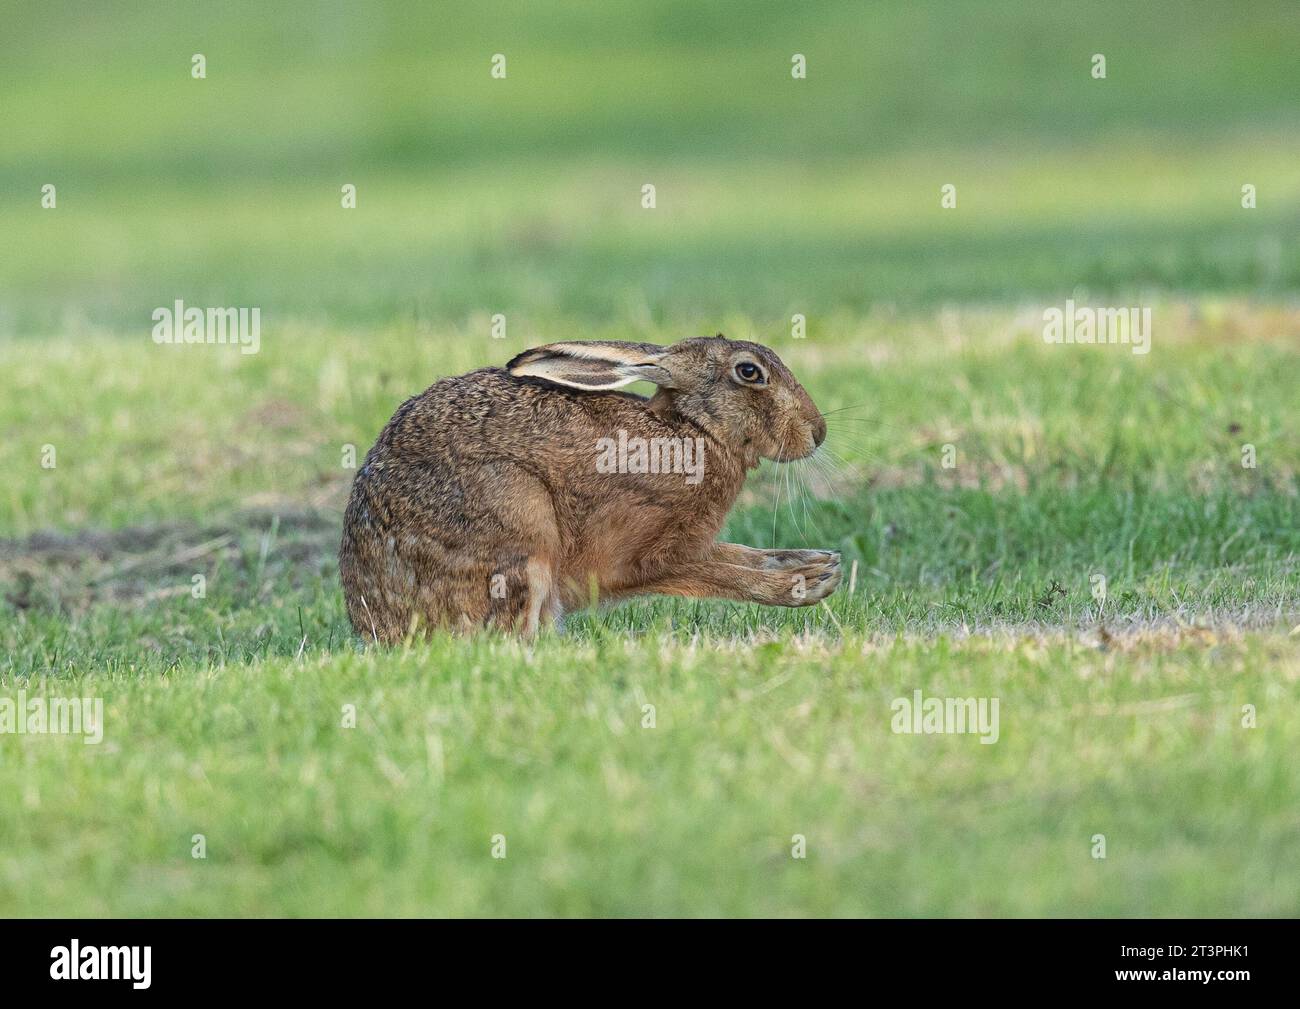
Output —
(508, 496)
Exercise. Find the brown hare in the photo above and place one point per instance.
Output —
(509, 496)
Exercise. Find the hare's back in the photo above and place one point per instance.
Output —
(492, 412)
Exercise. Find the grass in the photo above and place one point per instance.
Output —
(458, 741)
(1120, 717)
(1122, 713)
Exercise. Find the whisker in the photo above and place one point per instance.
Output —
(776, 509)
(794, 493)
(789, 500)
(875, 422)
(827, 461)
(856, 406)
(846, 463)
(832, 470)
(803, 498)
(821, 465)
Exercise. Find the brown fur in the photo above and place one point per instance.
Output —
(489, 480)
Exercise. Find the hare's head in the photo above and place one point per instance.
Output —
(739, 392)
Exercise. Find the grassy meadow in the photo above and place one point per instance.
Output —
(661, 756)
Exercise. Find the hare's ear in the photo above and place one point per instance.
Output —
(592, 364)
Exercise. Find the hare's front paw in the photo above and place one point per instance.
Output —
(813, 581)
(782, 560)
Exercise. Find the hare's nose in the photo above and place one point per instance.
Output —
(819, 430)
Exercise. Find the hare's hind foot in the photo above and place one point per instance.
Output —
(543, 599)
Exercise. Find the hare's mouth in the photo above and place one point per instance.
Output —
(799, 447)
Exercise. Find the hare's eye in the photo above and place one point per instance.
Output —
(747, 371)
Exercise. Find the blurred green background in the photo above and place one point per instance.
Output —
(522, 195)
